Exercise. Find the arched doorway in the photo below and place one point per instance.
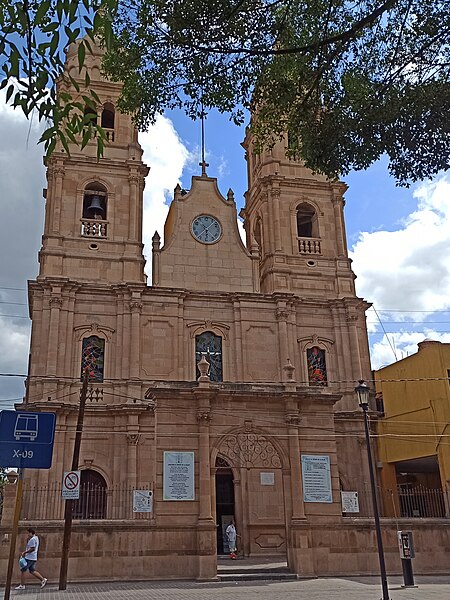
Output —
(224, 502)
(92, 501)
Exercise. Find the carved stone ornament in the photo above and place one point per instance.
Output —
(289, 369)
(56, 301)
(95, 329)
(282, 314)
(292, 419)
(249, 450)
(135, 306)
(133, 439)
(203, 366)
(204, 416)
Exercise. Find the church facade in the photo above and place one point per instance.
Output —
(224, 387)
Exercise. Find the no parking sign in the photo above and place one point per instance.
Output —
(71, 485)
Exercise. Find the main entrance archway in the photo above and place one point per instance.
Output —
(250, 487)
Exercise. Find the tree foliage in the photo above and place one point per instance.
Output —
(349, 80)
(34, 35)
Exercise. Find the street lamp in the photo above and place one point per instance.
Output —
(363, 393)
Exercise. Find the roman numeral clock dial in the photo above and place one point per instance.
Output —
(206, 229)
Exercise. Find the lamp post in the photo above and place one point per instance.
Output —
(363, 393)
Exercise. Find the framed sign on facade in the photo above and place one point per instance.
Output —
(178, 476)
(316, 476)
(350, 502)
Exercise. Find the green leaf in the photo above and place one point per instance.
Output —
(41, 12)
(81, 55)
(9, 92)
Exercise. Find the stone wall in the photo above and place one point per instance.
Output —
(124, 550)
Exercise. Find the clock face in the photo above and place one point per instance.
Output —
(206, 229)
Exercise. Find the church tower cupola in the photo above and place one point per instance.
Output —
(93, 225)
(296, 219)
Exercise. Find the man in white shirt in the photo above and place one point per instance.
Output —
(231, 536)
(30, 555)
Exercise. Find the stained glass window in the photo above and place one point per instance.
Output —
(317, 369)
(211, 345)
(93, 357)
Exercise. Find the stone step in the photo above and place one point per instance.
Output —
(265, 575)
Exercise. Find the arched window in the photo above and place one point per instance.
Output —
(257, 234)
(306, 221)
(107, 120)
(317, 368)
(90, 115)
(211, 345)
(95, 201)
(92, 501)
(93, 358)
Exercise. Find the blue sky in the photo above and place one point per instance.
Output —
(399, 238)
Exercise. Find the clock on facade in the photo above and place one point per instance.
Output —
(206, 229)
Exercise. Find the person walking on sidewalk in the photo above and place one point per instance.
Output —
(30, 554)
(231, 537)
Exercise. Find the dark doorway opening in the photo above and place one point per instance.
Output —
(224, 502)
(92, 501)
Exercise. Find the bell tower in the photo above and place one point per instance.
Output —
(93, 223)
(296, 219)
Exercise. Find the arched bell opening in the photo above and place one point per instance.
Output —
(95, 202)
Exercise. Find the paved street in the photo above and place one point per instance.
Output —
(430, 588)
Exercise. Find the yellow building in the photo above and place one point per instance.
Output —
(413, 442)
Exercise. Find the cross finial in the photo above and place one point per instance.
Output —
(203, 164)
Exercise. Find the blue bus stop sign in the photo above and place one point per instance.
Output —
(26, 439)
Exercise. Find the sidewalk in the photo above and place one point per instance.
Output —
(367, 588)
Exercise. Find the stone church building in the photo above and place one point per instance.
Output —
(224, 386)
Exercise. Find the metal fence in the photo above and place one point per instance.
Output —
(409, 502)
(419, 501)
(116, 502)
(95, 502)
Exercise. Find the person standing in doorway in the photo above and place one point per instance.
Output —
(30, 554)
(231, 537)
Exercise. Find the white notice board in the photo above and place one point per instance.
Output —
(316, 478)
(178, 476)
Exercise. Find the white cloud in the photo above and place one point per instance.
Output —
(409, 269)
(166, 156)
(402, 344)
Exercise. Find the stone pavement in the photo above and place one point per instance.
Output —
(362, 588)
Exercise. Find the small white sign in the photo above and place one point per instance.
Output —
(142, 501)
(267, 478)
(71, 485)
(350, 502)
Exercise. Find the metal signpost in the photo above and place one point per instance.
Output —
(26, 441)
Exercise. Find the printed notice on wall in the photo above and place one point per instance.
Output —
(178, 476)
(316, 478)
(142, 501)
(350, 503)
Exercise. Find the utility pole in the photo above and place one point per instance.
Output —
(15, 527)
(69, 503)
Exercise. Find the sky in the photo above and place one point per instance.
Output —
(399, 239)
